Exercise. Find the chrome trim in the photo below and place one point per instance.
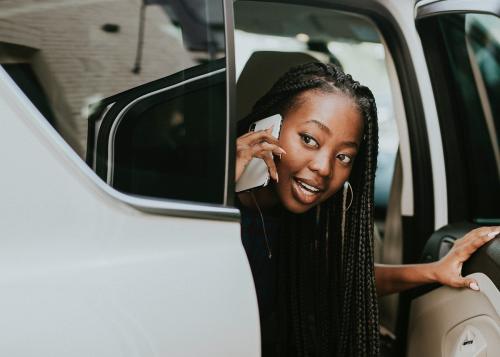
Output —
(119, 117)
(62, 151)
(96, 133)
(426, 9)
(424, 2)
(230, 102)
(176, 208)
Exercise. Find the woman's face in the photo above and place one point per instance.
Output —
(321, 136)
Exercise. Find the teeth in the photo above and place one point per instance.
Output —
(308, 187)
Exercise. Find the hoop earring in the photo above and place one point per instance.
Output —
(347, 185)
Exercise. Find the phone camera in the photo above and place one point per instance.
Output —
(252, 127)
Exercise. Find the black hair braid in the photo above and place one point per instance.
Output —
(326, 280)
(321, 248)
(334, 224)
(294, 304)
(283, 299)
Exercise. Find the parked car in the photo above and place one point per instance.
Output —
(119, 232)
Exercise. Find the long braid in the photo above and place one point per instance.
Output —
(294, 299)
(334, 220)
(326, 280)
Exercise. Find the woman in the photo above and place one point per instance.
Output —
(308, 236)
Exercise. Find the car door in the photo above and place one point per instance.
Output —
(139, 252)
(462, 47)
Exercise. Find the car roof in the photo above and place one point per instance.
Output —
(319, 24)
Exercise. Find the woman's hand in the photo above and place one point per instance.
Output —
(259, 144)
(448, 270)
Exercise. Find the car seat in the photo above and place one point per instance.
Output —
(262, 69)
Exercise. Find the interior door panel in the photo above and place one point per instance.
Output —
(456, 322)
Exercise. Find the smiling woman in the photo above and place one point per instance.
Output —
(318, 293)
(323, 127)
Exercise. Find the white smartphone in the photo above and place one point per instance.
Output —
(256, 173)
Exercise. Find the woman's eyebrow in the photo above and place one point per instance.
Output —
(320, 125)
(349, 143)
(326, 129)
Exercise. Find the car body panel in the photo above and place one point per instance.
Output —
(86, 273)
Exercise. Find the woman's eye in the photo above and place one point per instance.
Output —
(346, 159)
(309, 140)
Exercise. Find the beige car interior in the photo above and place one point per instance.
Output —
(262, 69)
(456, 322)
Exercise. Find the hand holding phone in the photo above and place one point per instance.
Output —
(254, 154)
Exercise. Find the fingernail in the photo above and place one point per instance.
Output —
(283, 151)
(493, 234)
(474, 286)
(279, 155)
(277, 179)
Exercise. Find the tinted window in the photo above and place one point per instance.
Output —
(473, 49)
(172, 144)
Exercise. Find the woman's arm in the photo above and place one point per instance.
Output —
(447, 271)
(395, 278)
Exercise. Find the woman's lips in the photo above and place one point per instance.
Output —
(304, 193)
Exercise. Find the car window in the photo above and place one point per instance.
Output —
(169, 142)
(296, 34)
(71, 57)
(473, 56)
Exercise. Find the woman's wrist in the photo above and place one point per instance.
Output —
(431, 272)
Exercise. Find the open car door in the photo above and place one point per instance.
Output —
(461, 41)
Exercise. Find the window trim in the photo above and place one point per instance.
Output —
(425, 8)
(231, 134)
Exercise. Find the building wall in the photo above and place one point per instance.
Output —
(77, 62)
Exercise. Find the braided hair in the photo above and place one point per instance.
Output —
(327, 303)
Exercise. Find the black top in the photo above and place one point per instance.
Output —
(263, 268)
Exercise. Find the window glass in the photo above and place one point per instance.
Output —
(70, 57)
(473, 48)
(300, 34)
(172, 144)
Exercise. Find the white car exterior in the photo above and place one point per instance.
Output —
(87, 270)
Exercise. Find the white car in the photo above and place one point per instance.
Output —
(119, 235)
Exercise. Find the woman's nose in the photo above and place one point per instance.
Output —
(322, 164)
